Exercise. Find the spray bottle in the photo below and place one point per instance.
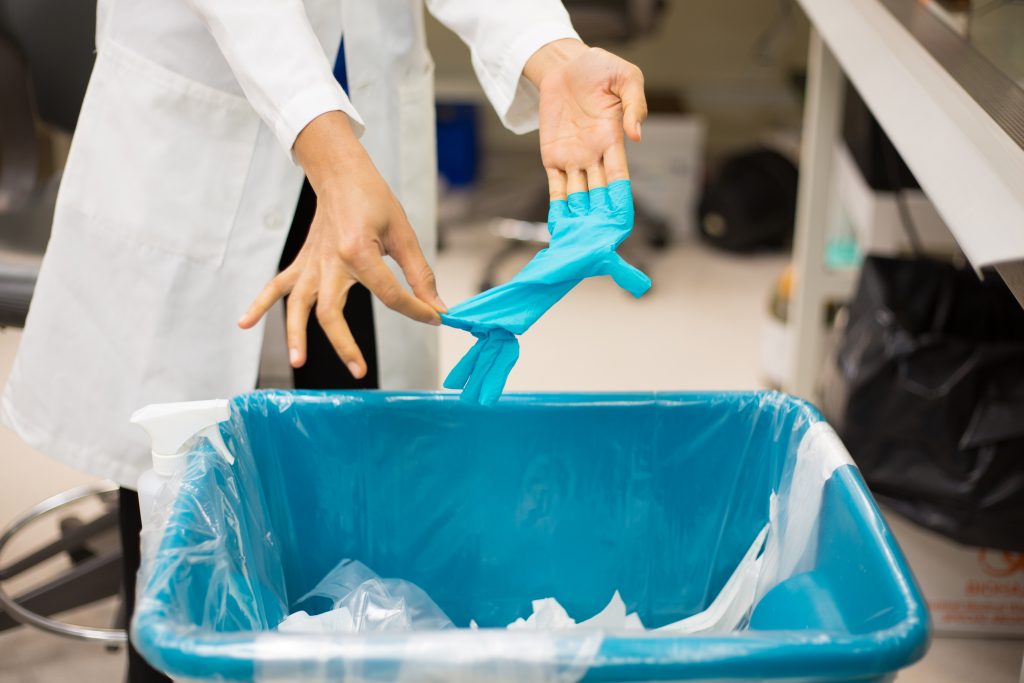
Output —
(171, 428)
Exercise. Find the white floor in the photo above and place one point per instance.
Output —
(699, 328)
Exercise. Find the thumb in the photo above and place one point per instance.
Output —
(634, 102)
(629, 277)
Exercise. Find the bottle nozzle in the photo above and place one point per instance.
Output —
(172, 425)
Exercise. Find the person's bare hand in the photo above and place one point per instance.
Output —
(588, 99)
(358, 221)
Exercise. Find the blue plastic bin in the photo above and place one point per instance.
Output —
(657, 496)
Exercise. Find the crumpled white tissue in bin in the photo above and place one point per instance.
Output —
(364, 602)
(725, 614)
(549, 615)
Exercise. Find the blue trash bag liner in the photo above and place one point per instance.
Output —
(657, 496)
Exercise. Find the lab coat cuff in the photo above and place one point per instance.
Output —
(309, 104)
(514, 97)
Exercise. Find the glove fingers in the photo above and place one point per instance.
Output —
(599, 199)
(494, 383)
(630, 278)
(620, 194)
(579, 203)
(485, 360)
(462, 371)
(558, 215)
(557, 210)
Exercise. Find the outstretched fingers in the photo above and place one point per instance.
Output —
(280, 286)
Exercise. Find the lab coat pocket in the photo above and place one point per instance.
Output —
(158, 159)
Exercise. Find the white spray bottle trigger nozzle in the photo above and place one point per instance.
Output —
(172, 425)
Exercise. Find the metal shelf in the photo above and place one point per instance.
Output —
(949, 113)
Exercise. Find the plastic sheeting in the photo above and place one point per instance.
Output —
(571, 496)
(586, 229)
(358, 600)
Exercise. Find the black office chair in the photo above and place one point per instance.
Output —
(44, 68)
(599, 22)
(614, 22)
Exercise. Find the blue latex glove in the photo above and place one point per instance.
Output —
(585, 231)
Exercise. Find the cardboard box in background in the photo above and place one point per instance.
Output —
(969, 590)
(667, 170)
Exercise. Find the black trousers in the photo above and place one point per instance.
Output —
(323, 370)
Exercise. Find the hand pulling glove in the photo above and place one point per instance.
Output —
(585, 229)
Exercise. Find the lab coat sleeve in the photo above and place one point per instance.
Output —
(279, 62)
(502, 35)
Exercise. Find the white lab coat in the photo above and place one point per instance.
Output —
(179, 190)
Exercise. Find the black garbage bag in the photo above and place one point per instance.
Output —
(926, 388)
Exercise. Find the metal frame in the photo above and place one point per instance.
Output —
(998, 94)
(952, 117)
(29, 618)
(814, 286)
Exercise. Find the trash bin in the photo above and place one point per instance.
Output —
(657, 496)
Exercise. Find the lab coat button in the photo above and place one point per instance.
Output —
(273, 221)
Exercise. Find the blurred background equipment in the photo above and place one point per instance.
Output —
(667, 168)
(955, 115)
(88, 549)
(458, 143)
(750, 204)
(879, 197)
(618, 21)
(57, 41)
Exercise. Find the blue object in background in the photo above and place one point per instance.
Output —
(571, 496)
(585, 232)
(458, 143)
(340, 73)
